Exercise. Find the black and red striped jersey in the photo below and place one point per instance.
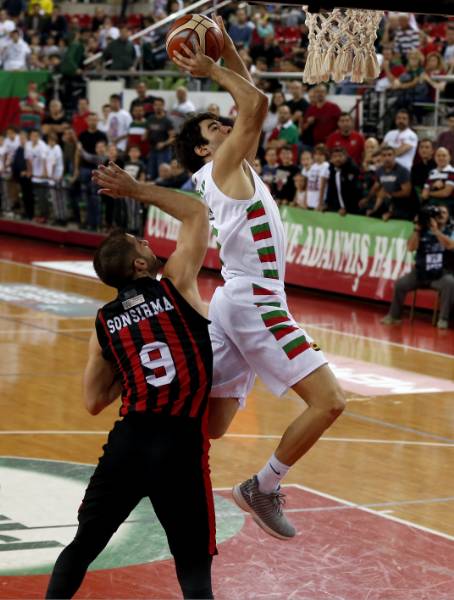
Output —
(160, 348)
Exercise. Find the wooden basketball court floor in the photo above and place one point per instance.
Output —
(373, 501)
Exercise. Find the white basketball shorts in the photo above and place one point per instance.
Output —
(253, 333)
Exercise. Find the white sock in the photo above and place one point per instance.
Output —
(271, 474)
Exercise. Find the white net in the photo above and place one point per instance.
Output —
(341, 44)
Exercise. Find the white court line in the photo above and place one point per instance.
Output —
(22, 264)
(380, 341)
(330, 330)
(374, 512)
(296, 485)
(235, 435)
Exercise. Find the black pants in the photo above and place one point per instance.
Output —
(166, 459)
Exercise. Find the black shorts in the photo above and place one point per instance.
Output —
(166, 460)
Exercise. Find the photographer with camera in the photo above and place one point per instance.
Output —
(433, 240)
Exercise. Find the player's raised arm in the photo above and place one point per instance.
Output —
(252, 110)
(184, 264)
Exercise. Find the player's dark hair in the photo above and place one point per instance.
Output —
(114, 258)
(188, 139)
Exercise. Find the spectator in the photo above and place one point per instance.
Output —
(317, 179)
(270, 168)
(298, 104)
(214, 109)
(54, 173)
(15, 53)
(448, 46)
(322, 116)
(181, 109)
(343, 189)
(263, 26)
(347, 138)
(284, 192)
(446, 138)
(241, 29)
(35, 22)
(32, 109)
(268, 49)
(178, 175)
(114, 210)
(164, 174)
(98, 18)
(138, 132)
(87, 158)
(434, 66)
(19, 170)
(134, 210)
(35, 155)
(368, 177)
(50, 48)
(431, 239)
(439, 187)
(55, 120)
(406, 37)
(411, 85)
(121, 52)
(56, 26)
(14, 8)
(392, 189)
(79, 121)
(271, 121)
(300, 190)
(423, 165)
(286, 133)
(6, 27)
(102, 123)
(371, 145)
(11, 187)
(118, 123)
(107, 33)
(45, 6)
(161, 134)
(71, 69)
(403, 139)
(143, 99)
(391, 68)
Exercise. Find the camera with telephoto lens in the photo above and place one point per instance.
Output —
(426, 214)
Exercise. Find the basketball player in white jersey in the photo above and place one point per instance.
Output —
(252, 330)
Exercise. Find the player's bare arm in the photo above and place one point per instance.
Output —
(184, 264)
(228, 170)
(99, 384)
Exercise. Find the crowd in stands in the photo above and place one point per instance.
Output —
(312, 155)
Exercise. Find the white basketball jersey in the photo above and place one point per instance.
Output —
(250, 233)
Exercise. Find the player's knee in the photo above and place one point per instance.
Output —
(338, 403)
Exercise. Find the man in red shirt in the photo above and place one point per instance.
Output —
(80, 119)
(347, 138)
(321, 116)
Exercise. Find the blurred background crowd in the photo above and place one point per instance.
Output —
(313, 155)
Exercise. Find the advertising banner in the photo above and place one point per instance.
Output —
(352, 255)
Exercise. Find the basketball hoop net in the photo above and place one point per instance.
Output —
(341, 44)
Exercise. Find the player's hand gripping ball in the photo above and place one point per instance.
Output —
(195, 31)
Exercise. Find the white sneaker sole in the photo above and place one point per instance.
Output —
(241, 502)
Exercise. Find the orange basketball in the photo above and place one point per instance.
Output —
(199, 29)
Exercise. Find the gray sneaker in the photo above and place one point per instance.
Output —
(442, 324)
(266, 509)
(388, 320)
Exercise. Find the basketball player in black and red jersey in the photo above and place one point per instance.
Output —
(152, 346)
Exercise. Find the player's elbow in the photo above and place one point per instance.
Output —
(260, 105)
